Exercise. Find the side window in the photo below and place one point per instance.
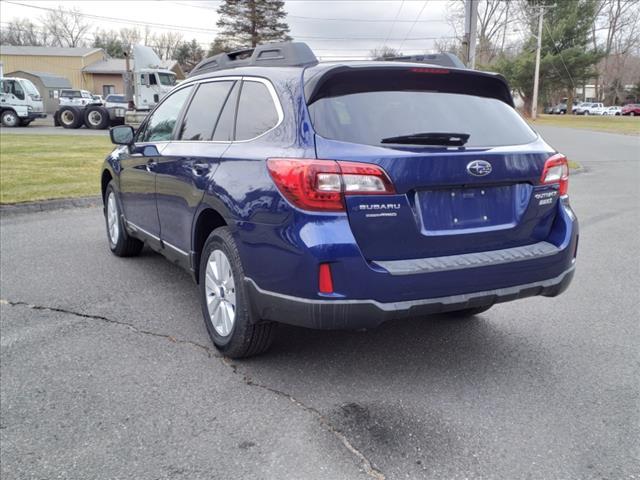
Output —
(256, 111)
(160, 125)
(18, 91)
(203, 111)
(226, 122)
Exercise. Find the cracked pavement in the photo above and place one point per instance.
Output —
(107, 371)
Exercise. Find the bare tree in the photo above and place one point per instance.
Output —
(620, 21)
(495, 19)
(66, 27)
(384, 52)
(130, 37)
(166, 44)
(22, 32)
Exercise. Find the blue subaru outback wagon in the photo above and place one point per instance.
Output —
(340, 195)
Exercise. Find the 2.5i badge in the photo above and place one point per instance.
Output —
(546, 198)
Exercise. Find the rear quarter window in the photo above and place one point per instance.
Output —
(256, 111)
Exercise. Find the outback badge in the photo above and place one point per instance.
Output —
(479, 168)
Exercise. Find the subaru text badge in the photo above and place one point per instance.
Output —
(479, 168)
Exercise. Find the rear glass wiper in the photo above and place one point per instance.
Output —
(430, 138)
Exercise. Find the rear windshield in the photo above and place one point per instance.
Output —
(71, 94)
(369, 117)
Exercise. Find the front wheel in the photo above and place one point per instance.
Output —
(120, 243)
(632, 114)
(224, 300)
(9, 118)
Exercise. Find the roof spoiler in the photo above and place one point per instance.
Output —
(282, 54)
(440, 59)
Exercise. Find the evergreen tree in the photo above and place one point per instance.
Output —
(189, 54)
(568, 59)
(247, 23)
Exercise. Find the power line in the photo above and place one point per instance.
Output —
(413, 25)
(393, 24)
(324, 19)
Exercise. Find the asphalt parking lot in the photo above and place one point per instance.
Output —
(107, 370)
(44, 126)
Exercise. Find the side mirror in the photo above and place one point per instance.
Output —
(122, 135)
(144, 79)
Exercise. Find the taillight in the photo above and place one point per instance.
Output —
(556, 170)
(320, 185)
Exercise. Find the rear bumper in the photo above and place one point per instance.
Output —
(355, 314)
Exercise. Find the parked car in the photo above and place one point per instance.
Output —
(116, 100)
(612, 111)
(590, 109)
(632, 109)
(77, 98)
(560, 109)
(340, 195)
(576, 106)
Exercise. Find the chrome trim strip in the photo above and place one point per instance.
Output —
(407, 304)
(173, 247)
(264, 81)
(136, 228)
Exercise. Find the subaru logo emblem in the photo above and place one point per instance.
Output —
(479, 168)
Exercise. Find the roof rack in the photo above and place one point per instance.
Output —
(282, 54)
(440, 59)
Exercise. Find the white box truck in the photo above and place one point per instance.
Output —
(20, 102)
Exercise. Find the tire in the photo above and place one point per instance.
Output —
(70, 117)
(9, 118)
(96, 117)
(632, 114)
(230, 322)
(25, 123)
(120, 243)
(468, 312)
(586, 113)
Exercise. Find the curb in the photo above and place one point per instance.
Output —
(48, 205)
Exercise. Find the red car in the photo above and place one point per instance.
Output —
(632, 109)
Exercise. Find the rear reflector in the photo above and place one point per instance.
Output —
(325, 281)
(556, 171)
(320, 185)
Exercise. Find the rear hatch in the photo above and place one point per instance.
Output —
(465, 167)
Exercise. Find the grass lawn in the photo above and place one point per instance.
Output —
(626, 125)
(39, 167)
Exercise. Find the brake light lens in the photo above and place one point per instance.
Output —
(320, 185)
(556, 171)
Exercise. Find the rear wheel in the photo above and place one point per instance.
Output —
(120, 243)
(9, 118)
(96, 117)
(468, 312)
(224, 300)
(70, 117)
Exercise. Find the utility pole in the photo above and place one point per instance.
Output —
(470, 27)
(536, 78)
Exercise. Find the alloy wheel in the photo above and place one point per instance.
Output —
(220, 291)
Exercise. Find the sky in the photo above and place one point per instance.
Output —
(332, 28)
